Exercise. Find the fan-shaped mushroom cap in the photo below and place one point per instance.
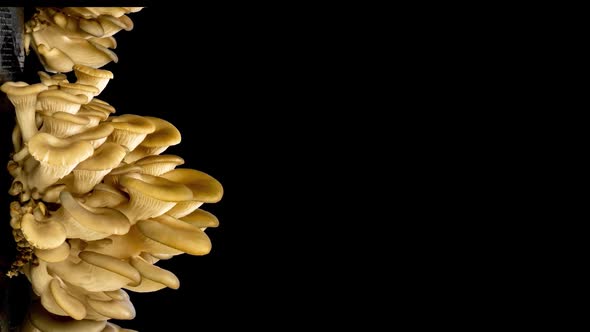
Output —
(51, 80)
(71, 50)
(77, 88)
(91, 171)
(98, 78)
(113, 309)
(111, 25)
(160, 164)
(54, 60)
(24, 98)
(204, 187)
(62, 124)
(70, 305)
(57, 158)
(93, 116)
(105, 195)
(115, 175)
(47, 234)
(130, 130)
(164, 135)
(96, 136)
(90, 223)
(46, 322)
(201, 219)
(153, 278)
(96, 272)
(150, 196)
(57, 254)
(52, 101)
(176, 234)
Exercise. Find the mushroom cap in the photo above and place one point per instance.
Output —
(154, 273)
(203, 186)
(78, 88)
(101, 131)
(51, 79)
(43, 235)
(100, 73)
(132, 123)
(57, 254)
(44, 321)
(105, 195)
(69, 304)
(67, 117)
(103, 220)
(49, 149)
(176, 234)
(115, 309)
(107, 156)
(62, 95)
(158, 164)
(156, 187)
(22, 88)
(111, 264)
(201, 218)
(165, 134)
(90, 112)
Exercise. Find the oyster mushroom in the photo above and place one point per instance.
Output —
(105, 195)
(113, 177)
(130, 130)
(51, 80)
(150, 196)
(62, 124)
(204, 187)
(45, 234)
(91, 171)
(79, 89)
(53, 59)
(153, 278)
(164, 136)
(52, 101)
(89, 223)
(98, 78)
(24, 98)
(160, 164)
(96, 136)
(176, 234)
(40, 319)
(56, 158)
(201, 219)
(96, 272)
(57, 254)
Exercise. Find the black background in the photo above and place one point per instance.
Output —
(221, 75)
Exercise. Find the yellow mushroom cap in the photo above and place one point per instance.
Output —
(44, 321)
(42, 234)
(201, 218)
(22, 88)
(63, 96)
(111, 264)
(107, 156)
(132, 123)
(165, 134)
(176, 234)
(204, 187)
(100, 73)
(156, 187)
(49, 149)
(103, 220)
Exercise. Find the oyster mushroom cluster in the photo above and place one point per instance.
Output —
(64, 37)
(98, 203)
